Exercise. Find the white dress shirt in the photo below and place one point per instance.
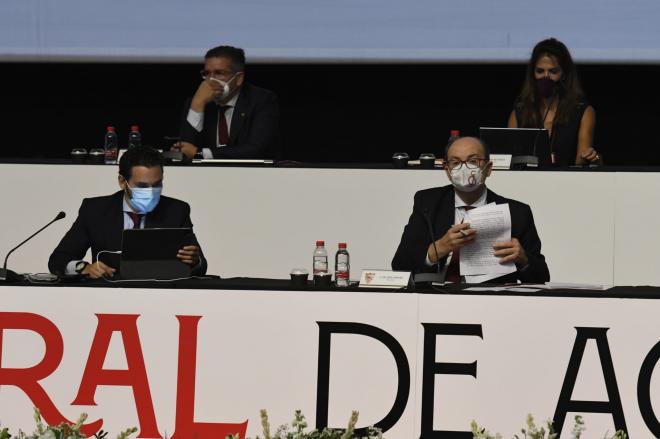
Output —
(197, 121)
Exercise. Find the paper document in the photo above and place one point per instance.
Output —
(482, 289)
(571, 286)
(493, 224)
(517, 289)
(238, 161)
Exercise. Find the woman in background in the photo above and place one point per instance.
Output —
(552, 97)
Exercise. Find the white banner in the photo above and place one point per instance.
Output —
(203, 362)
(337, 31)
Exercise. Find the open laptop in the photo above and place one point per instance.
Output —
(522, 143)
(151, 253)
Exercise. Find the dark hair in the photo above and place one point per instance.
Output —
(481, 142)
(569, 90)
(234, 54)
(139, 156)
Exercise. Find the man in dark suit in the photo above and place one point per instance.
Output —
(102, 220)
(227, 117)
(439, 212)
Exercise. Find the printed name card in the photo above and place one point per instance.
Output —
(501, 161)
(384, 279)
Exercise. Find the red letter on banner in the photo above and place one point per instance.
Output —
(186, 427)
(135, 376)
(28, 379)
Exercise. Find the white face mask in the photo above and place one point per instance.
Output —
(226, 89)
(467, 180)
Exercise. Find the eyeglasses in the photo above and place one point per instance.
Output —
(471, 163)
(225, 74)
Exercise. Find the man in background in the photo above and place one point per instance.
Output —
(228, 117)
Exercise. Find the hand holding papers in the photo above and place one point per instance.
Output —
(479, 261)
(456, 237)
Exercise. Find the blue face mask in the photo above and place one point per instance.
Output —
(144, 199)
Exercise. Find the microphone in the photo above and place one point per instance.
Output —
(8, 275)
(429, 224)
(439, 275)
(542, 125)
(525, 161)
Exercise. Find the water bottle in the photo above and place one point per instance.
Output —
(342, 266)
(134, 137)
(320, 259)
(111, 146)
(453, 135)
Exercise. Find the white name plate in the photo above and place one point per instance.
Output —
(501, 161)
(384, 279)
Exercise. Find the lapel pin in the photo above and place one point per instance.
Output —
(242, 114)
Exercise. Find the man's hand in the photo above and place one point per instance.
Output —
(98, 269)
(511, 251)
(456, 237)
(188, 149)
(206, 92)
(189, 255)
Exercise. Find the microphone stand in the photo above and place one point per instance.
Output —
(439, 275)
(10, 276)
(524, 161)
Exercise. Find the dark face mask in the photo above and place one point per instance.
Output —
(546, 87)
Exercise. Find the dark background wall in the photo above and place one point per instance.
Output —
(330, 113)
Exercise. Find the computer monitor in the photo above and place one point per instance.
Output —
(522, 143)
(151, 253)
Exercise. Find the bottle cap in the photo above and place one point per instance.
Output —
(111, 129)
(454, 133)
(135, 128)
(342, 245)
(320, 243)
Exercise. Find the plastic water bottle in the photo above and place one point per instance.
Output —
(342, 266)
(320, 259)
(453, 135)
(111, 146)
(134, 137)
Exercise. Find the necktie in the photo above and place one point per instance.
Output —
(454, 268)
(223, 130)
(137, 219)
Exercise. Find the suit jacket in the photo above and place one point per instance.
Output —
(438, 205)
(254, 132)
(100, 224)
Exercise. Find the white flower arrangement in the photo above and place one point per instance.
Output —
(299, 424)
(543, 432)
(61, 431)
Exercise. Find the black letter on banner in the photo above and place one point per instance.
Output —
(566, 404)
(644, 390)
(431, 369)
(326, 329)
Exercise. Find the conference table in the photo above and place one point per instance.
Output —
(200, 357)
(597, 226)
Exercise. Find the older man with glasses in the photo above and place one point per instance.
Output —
(228, 117)
(439, 212)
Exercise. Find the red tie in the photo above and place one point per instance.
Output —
(223, 131)
(137, 219)
(454, 268)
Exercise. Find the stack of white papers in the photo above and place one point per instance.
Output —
(571, 286)
(517, 289)
(532, 288)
